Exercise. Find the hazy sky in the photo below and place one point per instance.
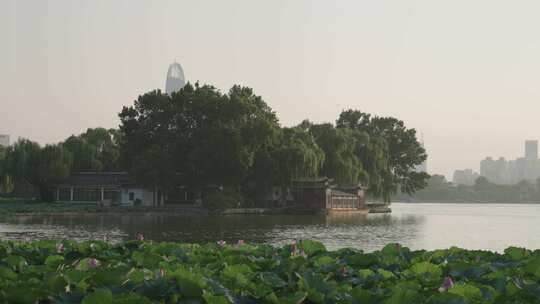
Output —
(465, 73)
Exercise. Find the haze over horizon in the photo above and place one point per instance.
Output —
(463, 73)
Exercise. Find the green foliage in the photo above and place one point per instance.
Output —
(6, 184)
(438, 189)
(95, 150)
(140, 272)
(340, 149)
(199, 137)
(396, 150)
(219, 200)
(39, 166)
(173, 140)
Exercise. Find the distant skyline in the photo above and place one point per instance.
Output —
(463, 73)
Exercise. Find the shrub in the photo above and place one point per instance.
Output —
(220, 200)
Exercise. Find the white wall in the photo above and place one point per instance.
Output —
(4, 140)
(138, 193)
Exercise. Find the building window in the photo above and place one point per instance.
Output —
(64, 194)
(86, 194)
(131, 196)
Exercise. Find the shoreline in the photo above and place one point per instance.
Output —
(466, 202)
(189, 211)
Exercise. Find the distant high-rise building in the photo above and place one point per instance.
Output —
(465, 177)
(511, 172)
(175, 78)
(4, 140)
(531, 149)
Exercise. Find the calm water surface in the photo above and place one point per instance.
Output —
(419, 226)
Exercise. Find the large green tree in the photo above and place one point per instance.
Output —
(27, 162)
(95, 150)
(340, 149)
(402, 151)
(293, 155)
(204, 137)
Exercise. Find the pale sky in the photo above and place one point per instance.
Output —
(465, 73)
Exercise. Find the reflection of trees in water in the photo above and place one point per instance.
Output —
(336, 230)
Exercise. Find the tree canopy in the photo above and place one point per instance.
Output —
(200, 137)
(402, 152)
(196, 137)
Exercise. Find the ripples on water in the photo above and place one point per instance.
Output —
(426, 226)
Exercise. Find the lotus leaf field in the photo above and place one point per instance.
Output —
(305, 272)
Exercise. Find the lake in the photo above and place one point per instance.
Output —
(418, 226)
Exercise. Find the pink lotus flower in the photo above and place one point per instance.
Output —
(240, 242)
(60, 248)
(221, 243)
(93, 263)
(294, 248)
(140, 236)
(162, 272)
(447, 284)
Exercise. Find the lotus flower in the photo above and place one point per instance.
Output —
(60, 248)
(447, 284)
(294, 248)
(93, 263)
(221, 243)
(162, 272)
(139, 236)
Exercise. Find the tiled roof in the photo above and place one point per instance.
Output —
(97, 179)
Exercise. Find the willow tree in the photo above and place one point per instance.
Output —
(27, 162)
(341, 160)
(394, 169)
(293, 154)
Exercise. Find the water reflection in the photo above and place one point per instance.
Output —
(335, 231)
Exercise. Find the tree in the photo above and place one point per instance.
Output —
(341, 161)
(294, 155)
(148, 142)
(403, 152)
(482, 184)
(26, 161)
(204, 137)
(95, 150)
(6, 181)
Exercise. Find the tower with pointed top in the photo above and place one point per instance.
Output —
(175, 78)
